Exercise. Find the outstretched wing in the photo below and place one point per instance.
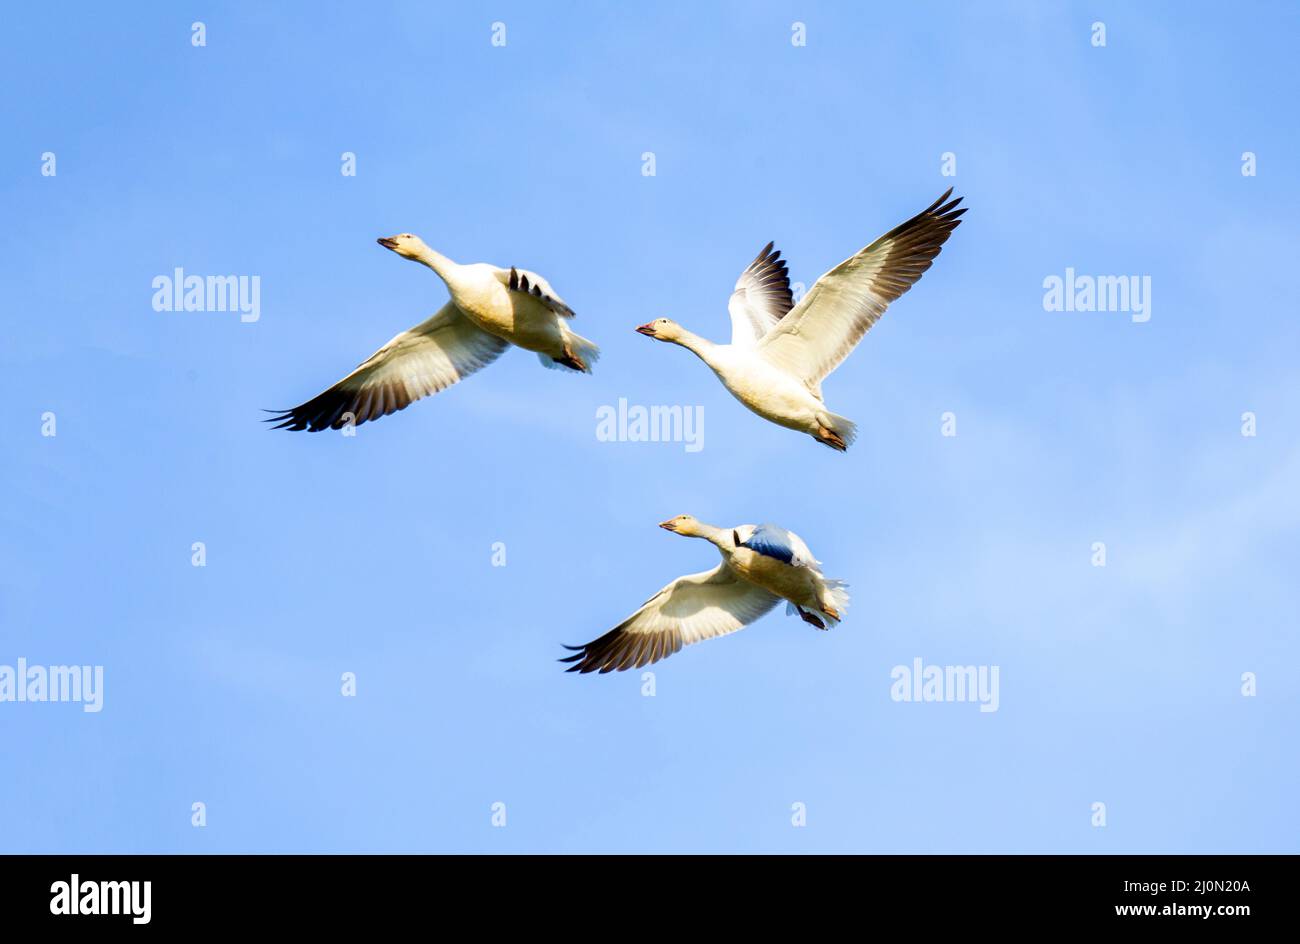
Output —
(530, 283)
(690, 609)
(831, 319)
(417, 363)
(761, 298)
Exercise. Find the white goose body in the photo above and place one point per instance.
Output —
(780, 352)
(482, 292)
(763, 387)
(490, 309)
(800, 584)
(761, 565)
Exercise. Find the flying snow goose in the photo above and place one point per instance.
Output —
(761, 565)
(780, 352)
(490, 309)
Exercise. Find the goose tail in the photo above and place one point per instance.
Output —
(837, 595)
(843, 428)
(582, 354)
(587, 351)
(834, 602)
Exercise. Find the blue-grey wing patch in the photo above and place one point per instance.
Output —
(772, 540)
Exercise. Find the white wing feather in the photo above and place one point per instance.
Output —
(531, 284)
(761, 298)
(416, 363)
(841, 307)
(690, 609)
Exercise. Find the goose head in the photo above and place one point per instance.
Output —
(662, 329)
(688, 525)
(406, 245)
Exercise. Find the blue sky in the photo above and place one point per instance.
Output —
(373, 555)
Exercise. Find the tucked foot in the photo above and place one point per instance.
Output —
(810, 618)
(831, 612)
(572, 361)
(830, 438)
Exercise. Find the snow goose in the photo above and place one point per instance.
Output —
(780, 352)
(490, 309)
(761, 565)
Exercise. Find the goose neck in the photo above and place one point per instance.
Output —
(719, 537)
(700, 347)
(437, 262)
